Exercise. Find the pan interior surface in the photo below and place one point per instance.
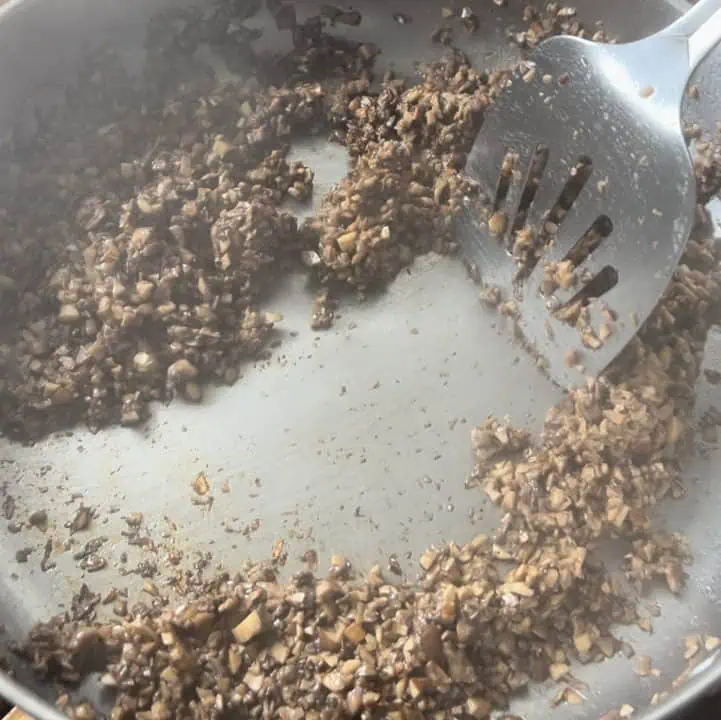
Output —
(355, 439)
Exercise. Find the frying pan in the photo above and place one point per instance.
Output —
(354, 440)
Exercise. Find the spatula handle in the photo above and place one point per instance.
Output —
(700, 27)
(24, 698)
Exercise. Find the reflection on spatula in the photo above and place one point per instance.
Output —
(591, 189)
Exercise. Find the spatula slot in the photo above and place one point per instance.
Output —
(606, 279)
(505, 177)
(536, 168)
(575, 312)
(578, 177)
(601, 228)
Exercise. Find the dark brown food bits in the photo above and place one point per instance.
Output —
(23, 554)
(38, 519)
(81, 521)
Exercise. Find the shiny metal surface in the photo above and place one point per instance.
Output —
(353, 440)
(619, 107)
(23, 698)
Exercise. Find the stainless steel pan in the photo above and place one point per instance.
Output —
(354, 440)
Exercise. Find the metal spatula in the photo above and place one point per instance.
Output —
(590, 182)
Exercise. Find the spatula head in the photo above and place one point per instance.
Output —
(591, 197)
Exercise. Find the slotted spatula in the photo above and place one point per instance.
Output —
(584, 150)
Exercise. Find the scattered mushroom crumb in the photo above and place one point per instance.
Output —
(201, 485)
(644, 666)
